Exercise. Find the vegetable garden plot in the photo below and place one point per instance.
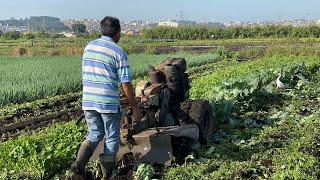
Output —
(251, 142)
(26, 79)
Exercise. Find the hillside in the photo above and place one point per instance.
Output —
(38, 23)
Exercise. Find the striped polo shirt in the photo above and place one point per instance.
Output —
(104, 66)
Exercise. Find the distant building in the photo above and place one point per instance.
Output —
(234, 24)
(69, 35)
(168, 24)
(129, 32)
(187, 23)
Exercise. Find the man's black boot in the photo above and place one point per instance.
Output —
(107, 164)
(78, 167)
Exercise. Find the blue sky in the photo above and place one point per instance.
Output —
(151, 10)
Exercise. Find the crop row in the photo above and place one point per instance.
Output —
(26, 79)
(21, 118)
(36, 108)
(206, 69)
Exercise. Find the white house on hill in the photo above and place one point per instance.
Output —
(168, 24)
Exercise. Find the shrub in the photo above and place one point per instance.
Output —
(19, 51)
(42, 35)
(200, 32)
(151, 50)
(95, 35)
(74, 51)
(128, 49)
(11, 35)
(144, 172)
(28, 36)
(53, 52)
(79, 29)
(249, 53)
(224, 53)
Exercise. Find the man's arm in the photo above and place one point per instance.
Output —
(128, 92)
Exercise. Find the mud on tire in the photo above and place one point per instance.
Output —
(200, 113)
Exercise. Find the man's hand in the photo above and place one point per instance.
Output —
(136, 115)
(128, 92)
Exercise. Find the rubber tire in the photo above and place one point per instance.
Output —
(201, 114)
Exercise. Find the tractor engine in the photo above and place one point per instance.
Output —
(159, 99)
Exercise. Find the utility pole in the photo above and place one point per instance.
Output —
(28, 25)
(43, 24)
(203, 21)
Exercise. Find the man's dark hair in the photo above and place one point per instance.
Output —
(110, 26)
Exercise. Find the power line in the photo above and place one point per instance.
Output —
(181, 15)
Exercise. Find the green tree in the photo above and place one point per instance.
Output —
(42, 35)
(198, 32)
(28, 36)
(13, 35)
(79, 29)
(1, 32)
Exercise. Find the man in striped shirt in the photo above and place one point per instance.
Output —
(105, 64)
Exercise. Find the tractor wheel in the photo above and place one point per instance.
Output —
(200, 113)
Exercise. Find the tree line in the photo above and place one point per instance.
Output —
(14, 35)
(199, 32)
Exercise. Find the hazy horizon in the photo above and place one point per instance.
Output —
(126, 10)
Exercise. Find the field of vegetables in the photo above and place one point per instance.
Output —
(29, 78)
(74, 47)
(260, 132)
